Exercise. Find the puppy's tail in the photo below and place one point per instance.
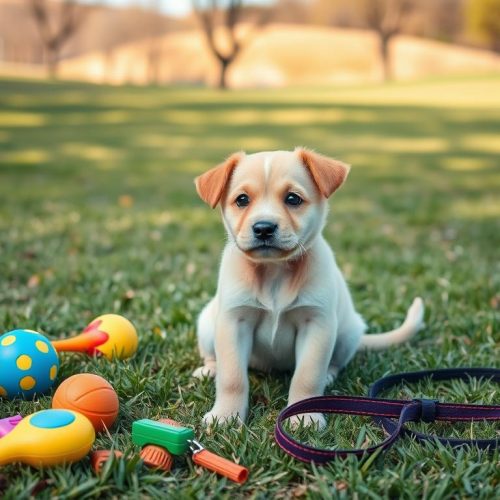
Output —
(413, 322)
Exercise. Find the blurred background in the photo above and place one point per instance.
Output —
(259, 43)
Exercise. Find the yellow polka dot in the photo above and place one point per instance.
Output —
(9, 340)
(24, 362)
(3, 392)
(53, 372)
(27, 383)
(42, 346)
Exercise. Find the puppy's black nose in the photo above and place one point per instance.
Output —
(264, 230)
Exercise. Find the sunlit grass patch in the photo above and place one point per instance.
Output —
(93, 152)
(477, 209)
(488, 143)
(26, 156)
(21, 119)
(464, 164)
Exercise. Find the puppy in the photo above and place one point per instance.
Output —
(281, 302)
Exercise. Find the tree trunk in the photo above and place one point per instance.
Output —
(224, 65)
(153, 66)
(52, 62)
(384, 57)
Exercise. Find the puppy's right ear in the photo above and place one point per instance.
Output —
(211, 184)
(328, 174)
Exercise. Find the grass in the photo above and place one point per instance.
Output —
(99, 214)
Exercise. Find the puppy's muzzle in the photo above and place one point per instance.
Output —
(264, 230)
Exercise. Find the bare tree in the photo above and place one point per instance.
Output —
(56, 28)
(227, 13)
(156, 25)
(385, 17)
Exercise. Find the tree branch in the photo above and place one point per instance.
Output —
(227, 15)
(386, 16)
(39, 11)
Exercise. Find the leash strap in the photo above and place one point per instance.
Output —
(392, 414)
(444, 374)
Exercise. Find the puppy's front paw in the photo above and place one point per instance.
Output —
(331, 375)
(204, 372)
(224, 416)
(308, 419)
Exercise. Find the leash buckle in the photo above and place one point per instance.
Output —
(195, 446)
(428, 409)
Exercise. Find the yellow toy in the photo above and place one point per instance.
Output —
(47, 438)
(110, 335)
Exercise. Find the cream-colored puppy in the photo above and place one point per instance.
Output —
(281, 302)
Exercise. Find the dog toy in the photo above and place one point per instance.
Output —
(47, 438)
(179, 440)
(28, 364)
(157, 457)
(90, 395)
(152, 456)
(8, 424)
(99, 457)
(109, 335)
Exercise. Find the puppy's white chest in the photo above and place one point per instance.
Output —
(275, 296)
(274, 342)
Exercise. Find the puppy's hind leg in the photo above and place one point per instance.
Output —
(206, 341)
(350, 332)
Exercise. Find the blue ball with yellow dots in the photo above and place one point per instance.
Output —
(28, 364)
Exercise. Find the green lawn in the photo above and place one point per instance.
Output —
(98, 213)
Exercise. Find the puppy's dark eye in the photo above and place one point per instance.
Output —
(293, 199)
(242, 200)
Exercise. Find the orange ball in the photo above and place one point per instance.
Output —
(90, 395)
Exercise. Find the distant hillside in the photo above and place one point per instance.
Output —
(279, 55)
(103, 28)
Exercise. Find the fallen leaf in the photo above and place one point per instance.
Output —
(125, 201)
(34, 281)
(341, 485)
(158, 331)
(299, 491)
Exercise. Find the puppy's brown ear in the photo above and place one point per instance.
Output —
(211, 184)
(328, 174)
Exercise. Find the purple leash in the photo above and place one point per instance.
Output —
(392, 414)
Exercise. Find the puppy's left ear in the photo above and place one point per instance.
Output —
(211, 184)
(328, 174)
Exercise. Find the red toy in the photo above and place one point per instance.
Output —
(109, 335)
(90, 395)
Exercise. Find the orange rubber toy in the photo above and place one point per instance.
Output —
(90, 395)
(99, 457)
